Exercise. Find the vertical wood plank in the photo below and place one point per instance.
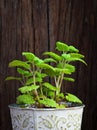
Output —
(40, 26)
(53, 11)
(27, 33)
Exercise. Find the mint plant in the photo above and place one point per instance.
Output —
(34, 89)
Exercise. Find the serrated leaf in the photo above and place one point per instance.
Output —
(53, 55)
(72, 98)
(48, 102)
(51, 94)
(44, 66)
(49, 60)
(38, 60)
(61, 95)
(73, 49)
(69, 79)
(76, 55)
(26, 89)
(60, 65)
(18, 63)
(76, 59)
(57, 71)
(49, 86)
(29, 56)
(62, 47)
(31, 81)
(50, 72)
(25, 99)
(23, 72)
(41, 75)
(71, 68)
(66, 56)
(62, 70)
(13, 78)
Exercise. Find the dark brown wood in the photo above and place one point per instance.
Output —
(40, 25)
(35, 25)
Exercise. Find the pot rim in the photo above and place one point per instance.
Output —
(15, 106)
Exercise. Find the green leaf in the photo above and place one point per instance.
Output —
(44, 66)
(76, 55)
(23, 72)
(73, 57)
(61, 95)
(49, 86)
(72, 98)
(25, 99)
(49, 60)
(73, 49)
(62, 47)
(26, 89)
(69, 79)
(38, 60)
(51, 94)
(57, 71)
(71, 68)
(50, 72)
(62, 70)
(48, 102)
(53, 55)
(41, 75)
(31, 81)
(76, 59)
(13, 78)
(66, 56)
(18, 63)
(29, 56)
(60, 65)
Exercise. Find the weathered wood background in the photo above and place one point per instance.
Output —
(35, 25)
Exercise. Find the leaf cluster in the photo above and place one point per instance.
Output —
(33, 71)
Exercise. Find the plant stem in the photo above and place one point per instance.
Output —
(57, 84)
(34, 75)
(60, 84)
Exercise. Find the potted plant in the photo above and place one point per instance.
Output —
(41, 105)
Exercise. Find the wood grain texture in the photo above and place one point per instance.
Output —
(35, 25)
